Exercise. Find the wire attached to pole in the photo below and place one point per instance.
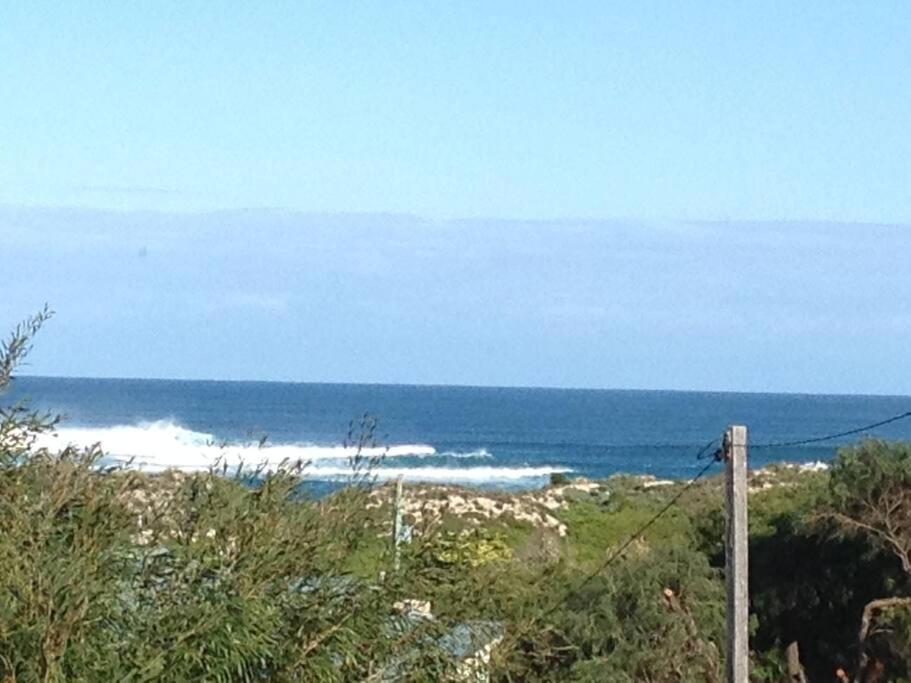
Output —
(829, 437)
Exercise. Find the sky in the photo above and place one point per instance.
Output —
(395, 298)
(637, 195)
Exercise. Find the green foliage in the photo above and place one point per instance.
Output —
(110, 575)
(870, 470)
(594, 527)
(809, 579)
(786, 502)
(655, 616)
(558, 479)
(20, 426)
(470, 549)
(809, 585)
(211, 583)
(63, 528)
(891, 642)
(870, 487)
(114, 575)
(17, 345)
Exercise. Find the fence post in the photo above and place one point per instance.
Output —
(397, 522)
(737, 662)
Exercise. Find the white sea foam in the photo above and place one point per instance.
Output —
(479, 453)
(816, 466)
(455, 475)
(163, 444)
(157, 446)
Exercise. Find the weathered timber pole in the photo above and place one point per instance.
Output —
(796, 674)
(737, 662)
(397, 522)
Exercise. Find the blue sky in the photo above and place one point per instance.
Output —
(396, 298)
(676, 195)
(697, 110)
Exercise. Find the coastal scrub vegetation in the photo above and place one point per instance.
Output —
(111, 574)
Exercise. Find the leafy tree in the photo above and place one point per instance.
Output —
(808, 585)
(870, 488)
(20, 426)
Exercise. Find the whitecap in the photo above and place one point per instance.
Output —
(454, 475)
(156, 446)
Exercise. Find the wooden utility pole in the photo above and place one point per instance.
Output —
(796, 674)
(736, 550)
(397, 522)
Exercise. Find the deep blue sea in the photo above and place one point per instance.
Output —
(503, 437)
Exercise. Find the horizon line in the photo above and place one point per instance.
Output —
(436, 385)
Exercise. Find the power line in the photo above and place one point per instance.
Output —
(715, 456)
(618, 552)
(829, 437)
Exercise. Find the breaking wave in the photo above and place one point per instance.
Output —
(161, 445)
(453, 475)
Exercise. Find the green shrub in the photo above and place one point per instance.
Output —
(558, 479)
(114, 575)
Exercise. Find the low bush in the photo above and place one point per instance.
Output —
(114, 575)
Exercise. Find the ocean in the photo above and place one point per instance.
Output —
(492, 437)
